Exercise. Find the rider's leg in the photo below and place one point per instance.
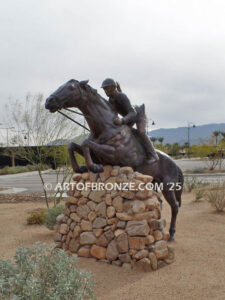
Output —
(151, 154)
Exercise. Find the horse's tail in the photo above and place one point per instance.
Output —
(181, 182)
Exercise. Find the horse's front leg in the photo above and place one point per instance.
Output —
(86, 146)
(72, 147)
(100, 149)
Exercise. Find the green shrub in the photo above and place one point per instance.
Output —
(216, 196)
(36, 217)
(51, 215)
(20, 169)
(196, 171)
(190, 183)
(199, 194)
(44, 273)
(5, 170)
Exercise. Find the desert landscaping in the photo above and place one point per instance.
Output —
(198, 271)
(112, 150)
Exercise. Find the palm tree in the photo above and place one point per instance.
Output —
(185, 145)
(168, 145)
(161, 139)
(153, 139)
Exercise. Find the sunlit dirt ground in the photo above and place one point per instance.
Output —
(197, 273)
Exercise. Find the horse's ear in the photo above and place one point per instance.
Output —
(83, 83)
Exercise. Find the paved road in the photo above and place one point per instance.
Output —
(31, 182)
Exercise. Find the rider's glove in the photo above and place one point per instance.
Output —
(118, 121)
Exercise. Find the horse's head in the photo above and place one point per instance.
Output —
(67, 95)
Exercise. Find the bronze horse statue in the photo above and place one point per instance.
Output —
(114, 144)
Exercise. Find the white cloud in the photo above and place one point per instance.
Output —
(168, 54)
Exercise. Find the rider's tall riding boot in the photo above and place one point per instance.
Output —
(152, 156)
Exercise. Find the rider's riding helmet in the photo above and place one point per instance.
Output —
(108, 82)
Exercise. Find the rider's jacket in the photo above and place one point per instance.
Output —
(121, 105)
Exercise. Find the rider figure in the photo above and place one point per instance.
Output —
(121, 104)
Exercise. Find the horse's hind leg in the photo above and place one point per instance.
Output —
(158, 195)
(160, 202)
(172, 200)
(72, 147)
(178, 196)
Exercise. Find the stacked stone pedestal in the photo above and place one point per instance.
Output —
(122, 227)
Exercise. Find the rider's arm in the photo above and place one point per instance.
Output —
(131, 113)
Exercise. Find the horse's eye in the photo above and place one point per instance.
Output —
(72, 86)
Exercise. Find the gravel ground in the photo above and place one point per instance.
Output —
(197, 273)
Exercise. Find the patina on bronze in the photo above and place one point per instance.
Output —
(109, 143)
(120, 103)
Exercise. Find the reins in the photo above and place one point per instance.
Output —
(78, 123)
(78, 113)
(73, 119)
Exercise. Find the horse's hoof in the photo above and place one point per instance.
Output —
(96, 168)
(171, 239)
(160, 203)
(82, 169)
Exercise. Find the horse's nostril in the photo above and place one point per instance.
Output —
(48, 102)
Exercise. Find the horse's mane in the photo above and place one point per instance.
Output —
(94, 92)
(89, 88)
(91, 91)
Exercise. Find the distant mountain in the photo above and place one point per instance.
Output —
(58, 142)
(180, 134)
(78, 139)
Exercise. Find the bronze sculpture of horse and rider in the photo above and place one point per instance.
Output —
(114, 141)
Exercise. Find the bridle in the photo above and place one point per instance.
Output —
(78, 123)
(78, 113)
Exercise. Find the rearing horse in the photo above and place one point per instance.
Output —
(114, 144)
